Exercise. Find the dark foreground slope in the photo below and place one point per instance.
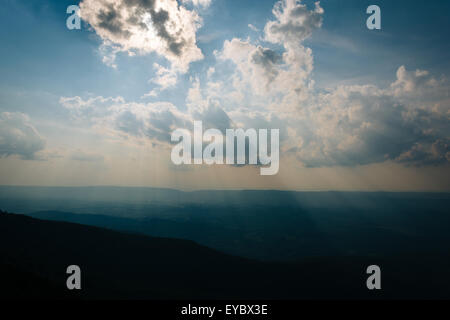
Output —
(35, 254)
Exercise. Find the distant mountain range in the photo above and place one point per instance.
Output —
(232, 244)
(264, 225)
(280, 233)
(34, 255)
(27, 199)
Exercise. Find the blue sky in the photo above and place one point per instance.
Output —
(41, 62)
(38, 52)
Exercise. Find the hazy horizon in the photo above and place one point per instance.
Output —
(226, 189)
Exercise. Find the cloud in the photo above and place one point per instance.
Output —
(421, 154)
(263, 73)
(207, 109)
(199, 3)
(407, 122)
(145, 26)
(164, 78)
(19, 137)
(357, 125)
(345, 126)
(252, 27)
(267, 74)
(256, 65)
(213, 116)
(269, 84)
(419, 84)
(294, 22)
(118, 118)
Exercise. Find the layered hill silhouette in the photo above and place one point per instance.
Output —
(264, 225)
(35, 254)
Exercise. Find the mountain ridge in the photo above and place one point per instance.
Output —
(127, 266)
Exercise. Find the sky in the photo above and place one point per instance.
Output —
(357, 109)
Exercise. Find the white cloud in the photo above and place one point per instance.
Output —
(256, 66)
(407, 122)
(270, 85)
(252, 27)
(294, 22)
(118, 118)
(164, 78)
(145, 26)
(278, 78)
(199, 3)
(353, 125)
(19, 137)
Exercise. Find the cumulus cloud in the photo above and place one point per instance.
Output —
(294, 22)
(406, 122)
(144, 26)
(356, 125)
(282, 77)
(116, 117)
(269, 84)
(264, 74)
(420, 85)
(256, 66)
(346, 126)
(19, 137)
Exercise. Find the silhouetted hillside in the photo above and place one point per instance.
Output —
(265, 225)
(290, 233)
(118, 265)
